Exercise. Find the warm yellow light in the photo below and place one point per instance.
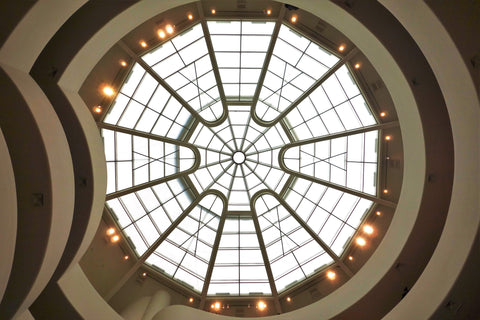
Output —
(261, 305)
(388, 138)
(97, 109)
(190, 16)
(169, 28)
(383, 114)
(161, 33)
(289, 299)
(110, 231)
(143, 44)
(350, 258)
(269, 12)
(217, 305)
(108, 91)
(294, 19)
(190, 300)
(212, 306)
(123, 63)
(368, 229)
(357, 66)
(385, 190)
(144, 274)
(360, 241)
(115, 238)
(331, 275)
(126, 257)
(379, 213)
(341, 48)
(214, 11)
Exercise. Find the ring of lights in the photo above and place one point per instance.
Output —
(116, 28)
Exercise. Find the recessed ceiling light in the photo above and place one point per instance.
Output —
(261, 305)
(360, 241)
(169, 28)
(108, 91)
(367, 229)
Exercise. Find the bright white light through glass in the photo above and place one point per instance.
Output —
(173, 147)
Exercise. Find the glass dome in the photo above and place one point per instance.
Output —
(242, 157)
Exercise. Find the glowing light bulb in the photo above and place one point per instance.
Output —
(190, 16)
(108, 91)
(289, 299)
(214, 11)
(115, 238)
(161, 33)
(97, 109)
(383, 114)
(190, 300)
(269, 12)
(350, 258)
(294, 19)
(360, 241)
(123, 63)
(261, 305)
(143, 44)
(169, 28)
(357, 66)
(341, 48)
(126, 257)
(368, 229)
(331, 275)
(110, 231)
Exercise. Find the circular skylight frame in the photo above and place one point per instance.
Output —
(191, 192)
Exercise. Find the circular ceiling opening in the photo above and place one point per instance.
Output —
(242, 157)
(238, 157)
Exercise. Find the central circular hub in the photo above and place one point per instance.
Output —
(238, 157)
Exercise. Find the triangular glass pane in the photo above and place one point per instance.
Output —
(293, 68)
(240, 49)
(290, 248)
(343, 161)
(239, 267)
(137, 160)
(185, 253)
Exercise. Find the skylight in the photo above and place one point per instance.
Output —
(246, 179)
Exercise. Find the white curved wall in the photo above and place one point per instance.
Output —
(36, 28)
(463, 106)
(8, 218)
(414, 171)
(61, 175)
(463, 109)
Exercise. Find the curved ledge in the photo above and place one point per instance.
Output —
(8, 218)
